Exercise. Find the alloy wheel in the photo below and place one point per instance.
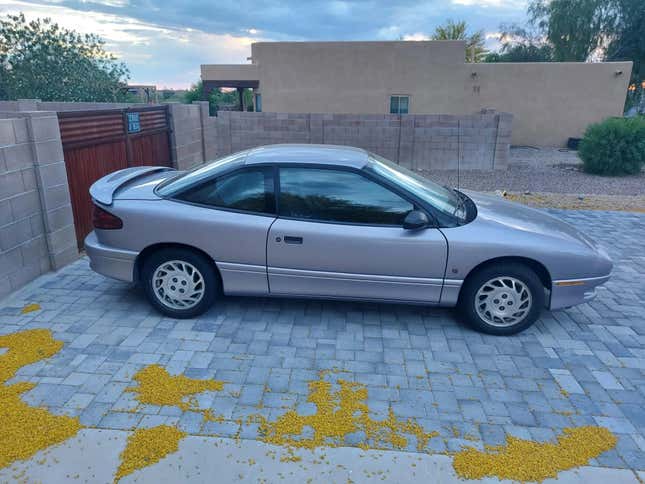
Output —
(503, 301)
(178, 284)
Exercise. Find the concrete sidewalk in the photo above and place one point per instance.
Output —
(93, 457)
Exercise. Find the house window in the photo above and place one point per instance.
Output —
(258, 103)
(399, 104)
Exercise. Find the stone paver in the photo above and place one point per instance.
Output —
(581, 366)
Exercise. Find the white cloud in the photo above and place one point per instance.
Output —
(493, 40)
(416, 36)
(108, 3)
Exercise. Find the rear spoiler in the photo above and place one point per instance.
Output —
(104, 188)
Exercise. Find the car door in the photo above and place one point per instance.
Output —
(229, 218)
(339, 234)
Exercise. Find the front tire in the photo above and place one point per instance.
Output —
(502, 299)
(179, 283)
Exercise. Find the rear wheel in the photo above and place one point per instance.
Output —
(180, 283)
(502, 299)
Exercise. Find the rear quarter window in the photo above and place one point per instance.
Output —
(249, 190)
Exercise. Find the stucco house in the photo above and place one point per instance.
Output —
(550, 101)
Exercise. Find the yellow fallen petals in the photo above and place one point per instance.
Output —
(30, 308)
(158, 387)
(290, 457)
(525, 460)
(148, 446)
(338, 414)
(25, 348)
(25, 429)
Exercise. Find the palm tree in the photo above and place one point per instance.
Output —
(475, 51)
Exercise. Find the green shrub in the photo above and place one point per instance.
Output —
(615, 146)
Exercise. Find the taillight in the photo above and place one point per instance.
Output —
(104, 220)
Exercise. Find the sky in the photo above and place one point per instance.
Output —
(163, 42)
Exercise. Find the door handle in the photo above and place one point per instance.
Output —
(289, 239)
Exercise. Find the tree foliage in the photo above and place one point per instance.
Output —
(39, 59)
(521, 45)
(521, 53)
(574, 28)
(628, 40)
(217, 97)
(475, 51)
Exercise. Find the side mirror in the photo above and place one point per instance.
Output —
(416, 219)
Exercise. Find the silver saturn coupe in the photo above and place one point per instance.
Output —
(335, 222)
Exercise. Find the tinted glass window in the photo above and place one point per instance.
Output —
(181, 181)
(399, 104)
(338, 196)
(442, 198)
(250, 190)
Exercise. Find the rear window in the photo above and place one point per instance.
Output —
(249, 190)
(200, 174)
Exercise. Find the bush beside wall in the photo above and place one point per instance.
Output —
(615, 146)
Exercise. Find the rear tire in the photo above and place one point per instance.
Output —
(502, 299)
(179, 283)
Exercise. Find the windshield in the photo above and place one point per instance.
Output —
(444, 199)
(197, 175)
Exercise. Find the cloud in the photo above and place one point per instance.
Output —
(164, 56)
(492, 40)
(416, 36)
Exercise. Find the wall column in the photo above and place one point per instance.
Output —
(53, 187)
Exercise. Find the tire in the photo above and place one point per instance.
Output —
(194, 287)
(502, 299)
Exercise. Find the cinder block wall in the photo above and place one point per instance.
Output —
(36, 221)
(23, 245)
(187, 136)
(472, 142)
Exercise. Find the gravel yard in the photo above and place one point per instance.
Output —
(635, 203)
(547, 170)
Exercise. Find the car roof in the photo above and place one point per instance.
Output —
(309, 153)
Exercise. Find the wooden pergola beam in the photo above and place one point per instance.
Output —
(211, 85)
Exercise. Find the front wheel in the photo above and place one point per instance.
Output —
(502, 299)
(180, 283)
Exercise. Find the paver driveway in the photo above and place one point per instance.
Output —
(582, 366)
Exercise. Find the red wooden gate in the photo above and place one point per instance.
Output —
(99, 142)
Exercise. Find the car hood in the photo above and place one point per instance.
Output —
(496, 210)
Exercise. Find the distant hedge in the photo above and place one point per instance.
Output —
(615, 146)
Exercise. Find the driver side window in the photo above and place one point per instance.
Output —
(249, 190)
(339, 196)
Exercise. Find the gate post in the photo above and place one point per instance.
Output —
(53, 189)
(186, 135)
